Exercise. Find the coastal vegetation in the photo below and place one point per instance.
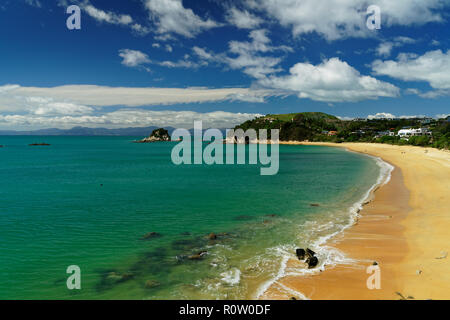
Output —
(321, 127)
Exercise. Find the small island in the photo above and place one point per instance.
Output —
(158, 135)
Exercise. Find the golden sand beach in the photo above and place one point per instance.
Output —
(405, 230)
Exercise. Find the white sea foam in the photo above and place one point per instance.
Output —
(231, 277)
(328, 256)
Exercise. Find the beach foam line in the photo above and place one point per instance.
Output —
(328, 256)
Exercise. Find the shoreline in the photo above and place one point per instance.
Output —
(389, 231)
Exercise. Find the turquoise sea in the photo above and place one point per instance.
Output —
(88, 201)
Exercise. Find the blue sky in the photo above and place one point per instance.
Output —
(170, 62)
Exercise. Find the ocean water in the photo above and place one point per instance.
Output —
(87, 201)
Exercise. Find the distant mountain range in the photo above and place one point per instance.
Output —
(83, 131)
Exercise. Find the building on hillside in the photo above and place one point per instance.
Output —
(407, 133)
(332, 133)
(382, 134)
(426, 121)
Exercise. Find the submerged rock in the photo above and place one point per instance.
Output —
(115, 277)
(212, 236)
(39, 145)
(150, 284)
(198, 256)
(151, 235)
(315, 205)
(158, 135)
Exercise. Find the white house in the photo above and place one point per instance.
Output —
(406, 133)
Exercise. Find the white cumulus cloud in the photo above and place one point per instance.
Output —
(243, 19)
(133, 58)
(347, 18)
(170, 16)
(432, 67)
(331, 81)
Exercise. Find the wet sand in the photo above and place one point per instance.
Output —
(405, 230)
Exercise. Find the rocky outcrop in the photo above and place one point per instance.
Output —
(310, 253)
(300, 254)
(308, 256)
(158, 135)
(312, 262)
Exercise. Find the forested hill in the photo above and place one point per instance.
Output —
(317, 126)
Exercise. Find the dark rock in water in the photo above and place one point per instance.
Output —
(198, 256)
(301, 253)
(312, 262)
(293, 298)
(1, 146)
(158, 135)
(212, 236)
(39, 145)
(315, 205)
(310, 253)
(150, 235)
(375, 263)
(150, 284)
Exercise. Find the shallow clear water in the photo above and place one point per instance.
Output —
(87, 201)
